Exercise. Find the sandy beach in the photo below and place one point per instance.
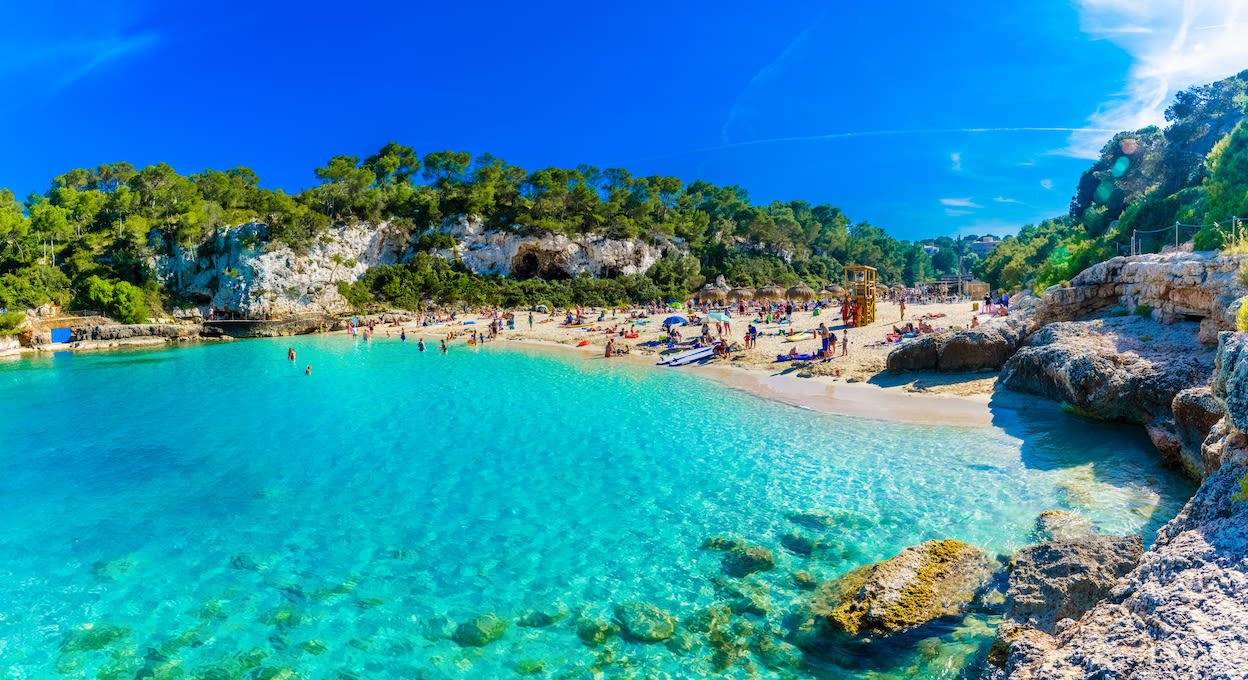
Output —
(853, 383)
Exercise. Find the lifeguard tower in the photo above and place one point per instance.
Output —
(860, 288)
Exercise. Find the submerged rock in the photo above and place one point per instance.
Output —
(545, 615)
(747, 559)
(254, 561)
(822, 520)
(480, 631)
(438, 628)
(722, 543)
(803, 544)
(644, 621)
(1058, 525)
(595, 632)
(923, 582)
(92, 636)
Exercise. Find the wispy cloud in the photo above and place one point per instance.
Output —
(1173, 44)
(956, 158)
(1046, 183)
(52, 66)
(952, 212)
(960, 203)
(1002, 199)
(740, 106)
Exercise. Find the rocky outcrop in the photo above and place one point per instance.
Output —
(1201, 287)
(9, 344)
(1114, 369)
(985, 348)
(480, 631)
(294, 324)
(169, 332)
(1063, 579)
(1179, 614)
(551, 255)
(922, 583)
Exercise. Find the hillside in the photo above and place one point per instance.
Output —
(136, 242)
(1194, 172)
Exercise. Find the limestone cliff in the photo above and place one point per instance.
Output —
(238, 270)
(1201, 287)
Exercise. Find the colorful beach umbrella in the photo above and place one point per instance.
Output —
(719, 316)
(673, 320)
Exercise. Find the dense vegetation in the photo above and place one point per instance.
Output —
(1194, 172)
(90, 239)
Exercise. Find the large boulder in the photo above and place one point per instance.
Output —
(920, 354)
(1063, 579)
(747, 559)
(985, 348)
(922, 583)
(1106, 371)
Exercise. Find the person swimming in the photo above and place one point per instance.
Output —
(403, 335)
(421, 345)
(309, 370)
(290, 354)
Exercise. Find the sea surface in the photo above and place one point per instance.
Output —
(214, 512)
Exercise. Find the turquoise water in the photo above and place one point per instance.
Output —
(212, 512)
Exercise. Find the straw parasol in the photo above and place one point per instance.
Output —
(898, 286)
(801, 292)
(741, 294)
(832, 290)
(710, 292)
(769, 292)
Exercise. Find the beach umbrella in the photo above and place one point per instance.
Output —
(741, 294)
(673, 320)
(769, 292)
(719, 316)
(676, 305)
(832, 290)
(710, 292)
(898, 286)
(801, 292)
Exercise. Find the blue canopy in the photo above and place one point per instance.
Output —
(673, 320)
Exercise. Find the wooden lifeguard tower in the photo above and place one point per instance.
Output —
(860, 288)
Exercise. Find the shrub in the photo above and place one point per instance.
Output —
(11, 323)
(1241, 318)
(1143, 310)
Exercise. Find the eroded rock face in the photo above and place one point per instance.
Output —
(1200, 287)
(1195, 413)
(985, 348)
(923, 582)
(550, 256)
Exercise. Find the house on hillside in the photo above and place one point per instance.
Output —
(983, 246)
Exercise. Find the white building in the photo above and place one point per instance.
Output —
(983, 246)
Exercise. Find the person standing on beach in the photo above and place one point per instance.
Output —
(823, 339)
(903, 310)
(845, 342)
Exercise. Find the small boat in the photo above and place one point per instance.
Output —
(689, 357)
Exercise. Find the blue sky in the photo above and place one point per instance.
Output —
(923, 118)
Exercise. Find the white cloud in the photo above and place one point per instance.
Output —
(1173, 44)
(1002, 199)
(956, 157)
(959, 203)
(1046, 183)
(958, 213)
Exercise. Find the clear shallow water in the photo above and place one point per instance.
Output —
(222, 510)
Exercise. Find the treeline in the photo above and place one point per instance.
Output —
(1195, 171)
(88, 240)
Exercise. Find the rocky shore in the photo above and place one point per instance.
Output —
(1128, 340)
